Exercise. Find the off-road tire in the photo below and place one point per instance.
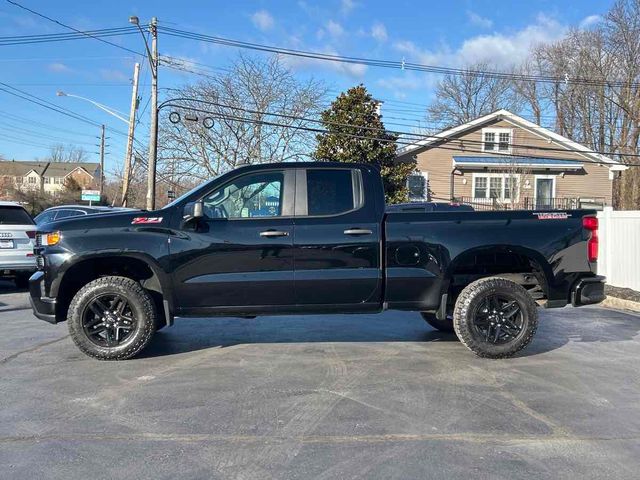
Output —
(472, 296)
(445, 325)
(139, 300)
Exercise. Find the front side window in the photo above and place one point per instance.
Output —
(330, 192)
(251, 196)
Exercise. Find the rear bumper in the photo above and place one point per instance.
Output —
(588, 291)
(43, 307)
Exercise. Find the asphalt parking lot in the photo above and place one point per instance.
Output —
(362, 396)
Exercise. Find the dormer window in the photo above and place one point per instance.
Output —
(496, 140)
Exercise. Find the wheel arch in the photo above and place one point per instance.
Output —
(537, 264)
(136, 265)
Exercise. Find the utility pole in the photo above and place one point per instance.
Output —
(153, 131)
(102, 163)
(152, 54)
(132, 126)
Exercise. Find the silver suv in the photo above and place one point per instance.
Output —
(17, 233)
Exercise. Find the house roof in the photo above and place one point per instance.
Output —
(502, 114)
(51, 169)
(514, 161)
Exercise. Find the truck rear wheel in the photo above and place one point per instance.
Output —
(112, 318)
(495, 317)
(445, 325)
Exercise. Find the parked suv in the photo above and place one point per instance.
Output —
(17, 232)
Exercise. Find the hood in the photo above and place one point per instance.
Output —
(107, 220)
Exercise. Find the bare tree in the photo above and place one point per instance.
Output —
(241, 104)
(67, 153)
(461, 98)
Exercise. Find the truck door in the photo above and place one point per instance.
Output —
(337, 242)
(240, 254)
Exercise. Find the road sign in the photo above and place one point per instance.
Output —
(90, 195)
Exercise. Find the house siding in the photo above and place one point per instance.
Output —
(590, 182)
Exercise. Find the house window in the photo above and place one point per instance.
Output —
(46, 179)
(18, 179)
(496, 140)
(480, 188)
(57, 180)
(32, 179)
(497, 186)
(418, 187)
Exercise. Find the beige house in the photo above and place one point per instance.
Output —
(49, 177)
(502, 161)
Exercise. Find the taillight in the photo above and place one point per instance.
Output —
(591, 224)
(31, 234)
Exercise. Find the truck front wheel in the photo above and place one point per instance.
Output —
(112, 318)
(495, 317)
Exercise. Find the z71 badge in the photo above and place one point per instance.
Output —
(146, 220)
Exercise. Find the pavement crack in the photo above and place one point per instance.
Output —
(32, 349)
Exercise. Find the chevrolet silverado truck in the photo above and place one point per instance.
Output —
(310, 238)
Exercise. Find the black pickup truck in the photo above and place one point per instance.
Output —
(296, 238)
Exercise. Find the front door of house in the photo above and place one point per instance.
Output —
(544, 193)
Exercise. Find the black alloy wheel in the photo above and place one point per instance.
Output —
(498, 320)
(108, 320)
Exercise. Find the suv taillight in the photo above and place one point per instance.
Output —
(31, 234)
(591, 224)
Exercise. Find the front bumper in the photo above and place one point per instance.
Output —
(588, 291)
(43, 307)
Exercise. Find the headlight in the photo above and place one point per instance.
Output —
(48, 239)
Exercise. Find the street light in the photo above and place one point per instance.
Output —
(109, 110)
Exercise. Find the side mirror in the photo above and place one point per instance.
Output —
(193, 210)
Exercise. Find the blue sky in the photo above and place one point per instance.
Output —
(450, 33)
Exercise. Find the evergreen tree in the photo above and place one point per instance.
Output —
(355, 133)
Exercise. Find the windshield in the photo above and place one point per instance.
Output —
(14, 216)
(185, 195)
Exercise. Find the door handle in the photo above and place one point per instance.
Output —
(274, 233)
(357, 231)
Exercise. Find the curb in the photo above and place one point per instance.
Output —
(621, 304)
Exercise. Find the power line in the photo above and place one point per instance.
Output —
(399, 65)
(382, 130)
(88, 34)
(62, 37)
(381, 139)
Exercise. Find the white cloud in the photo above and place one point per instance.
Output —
(347, 6)
(478, 20)
(334, 29)
(262, 20)
(58, 68)
(590, 21)
(379, 32)
(500, 49)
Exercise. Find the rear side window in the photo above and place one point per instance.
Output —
(330, 192)
(14, 216)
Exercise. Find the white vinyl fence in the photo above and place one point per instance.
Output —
(619, 251)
